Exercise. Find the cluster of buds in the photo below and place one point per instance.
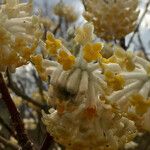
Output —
(20, 33)
(66, 11)
(84, 118)
(103, 14)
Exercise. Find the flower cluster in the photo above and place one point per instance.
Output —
(100, 92)
(82, 128)
(20, 32)
(66, 11)
(103, 14)
(134, 97)
(79, 87)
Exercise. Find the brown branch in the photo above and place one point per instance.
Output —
(22, 137)
(122, 43)
(58, 26)
(8, 143)
(18, 92)
(140, 21)
(48, 141)
(39, 83)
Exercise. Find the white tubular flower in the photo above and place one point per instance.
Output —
(134, 97)
(19, 32)
(138, 80)
(78, 80)
(74, 76)
(84, 129)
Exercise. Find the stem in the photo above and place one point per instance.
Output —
(122, 43)
(18, 92)
(15, 117)
(48, 141)
(140, 22)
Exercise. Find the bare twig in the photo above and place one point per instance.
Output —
(18, 92)
(48, 141)
(39, 84)
(122, 43)
(142, 46)
(8, 143)
(140, 21)
(22, 137)
(58, 26)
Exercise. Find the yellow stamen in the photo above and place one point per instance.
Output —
(65, 60)
(52, 44)
(92, 51)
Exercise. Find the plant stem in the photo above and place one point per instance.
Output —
(22, 138)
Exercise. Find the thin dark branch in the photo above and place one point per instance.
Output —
(58, 26)
(22, 137)
(140, 21)
(48, 141)
(122, 43)
(142, 46)
(18, 92)
(39, 84)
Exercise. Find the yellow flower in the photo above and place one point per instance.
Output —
(125, 59)
(116, 82)
(52, 44)
(38, 62)
(141, 105)
(92, 51)
(66, 60)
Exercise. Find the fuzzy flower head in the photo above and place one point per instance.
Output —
(103, 14)
(68, 12)
(78, 127)
(19, 32)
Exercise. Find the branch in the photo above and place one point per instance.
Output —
(15, 117)
(48, 141)
(18, 92)
(58, 26)
(142, 46)
(8, 143)
(39, 84)
(140, 21)
(122, 43)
